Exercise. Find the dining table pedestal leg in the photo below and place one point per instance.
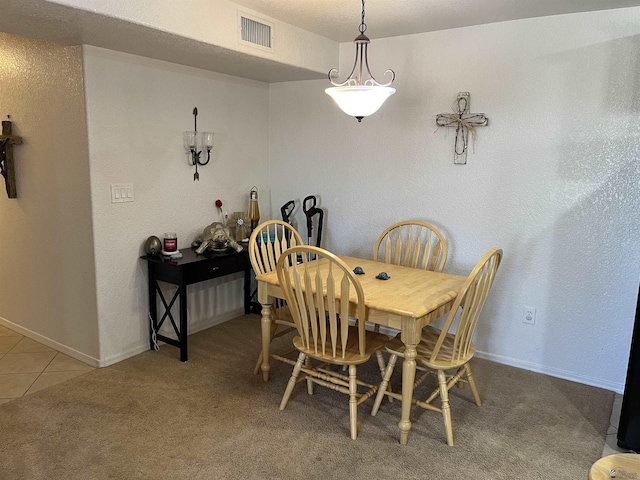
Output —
(266, 340)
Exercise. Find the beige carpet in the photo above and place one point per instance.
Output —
(153, 417)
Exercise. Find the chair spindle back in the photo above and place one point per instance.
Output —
(412, 243)
(267, 243)
(321, 292)
(469, 303)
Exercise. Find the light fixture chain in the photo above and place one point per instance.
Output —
(363, 26)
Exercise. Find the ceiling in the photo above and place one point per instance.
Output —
(337, 20)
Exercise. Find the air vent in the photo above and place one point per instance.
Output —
(255, 32)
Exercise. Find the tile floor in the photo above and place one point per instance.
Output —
(27, 366)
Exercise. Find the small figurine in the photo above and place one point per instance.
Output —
(383, 276)
(218, 237)
(358, 271)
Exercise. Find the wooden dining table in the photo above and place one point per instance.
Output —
(408, 301)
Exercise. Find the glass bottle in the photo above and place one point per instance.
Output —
(254, 210)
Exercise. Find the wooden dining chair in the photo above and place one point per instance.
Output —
(448, 352)
(412, 243)
(266, 244)
(323, 293)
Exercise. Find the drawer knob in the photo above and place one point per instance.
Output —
(215, 268)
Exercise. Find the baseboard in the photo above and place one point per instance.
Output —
(89, 360)
(136, 350)
(552, 372)
(210, 322)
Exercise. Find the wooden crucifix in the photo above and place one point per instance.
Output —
(7, 169)
(464, 122)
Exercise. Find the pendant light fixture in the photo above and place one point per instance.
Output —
(357, 96)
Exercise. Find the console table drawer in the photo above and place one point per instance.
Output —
(213, 268)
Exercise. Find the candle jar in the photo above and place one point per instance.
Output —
(170, 242)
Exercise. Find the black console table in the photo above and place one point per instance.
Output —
(189, 269)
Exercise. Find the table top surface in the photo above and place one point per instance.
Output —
(409, 291)
(626, 465)
(189, 255)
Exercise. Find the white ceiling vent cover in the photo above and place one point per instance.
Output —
(255, 32)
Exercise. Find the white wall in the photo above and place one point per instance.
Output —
(47, 284)
(137, 109)
(553, 180)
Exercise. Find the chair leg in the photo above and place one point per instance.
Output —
(472, 384)
(382, 366)
(292, 380)
(307, 364)
(446, 409)
(353, 402)
(385, 382)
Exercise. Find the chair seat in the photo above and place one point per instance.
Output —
(430, 336)
(374, 341)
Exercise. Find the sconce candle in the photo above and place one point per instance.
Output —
(207, 140)
(190, 143)
(195, 142)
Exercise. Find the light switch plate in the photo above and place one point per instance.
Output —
(121, 192)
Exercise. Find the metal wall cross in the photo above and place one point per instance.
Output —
(7, 169)
(464, 122)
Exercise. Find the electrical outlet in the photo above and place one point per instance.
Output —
(529, 315)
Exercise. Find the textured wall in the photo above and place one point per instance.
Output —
(47, 285)
(137, 110)
(553, 180)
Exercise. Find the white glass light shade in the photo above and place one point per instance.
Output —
(360, 100)
(207, 140)
(190, 138)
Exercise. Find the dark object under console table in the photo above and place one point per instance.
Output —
(191, 268)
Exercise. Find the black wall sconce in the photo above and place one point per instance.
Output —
(195, 142)
(7, 169)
